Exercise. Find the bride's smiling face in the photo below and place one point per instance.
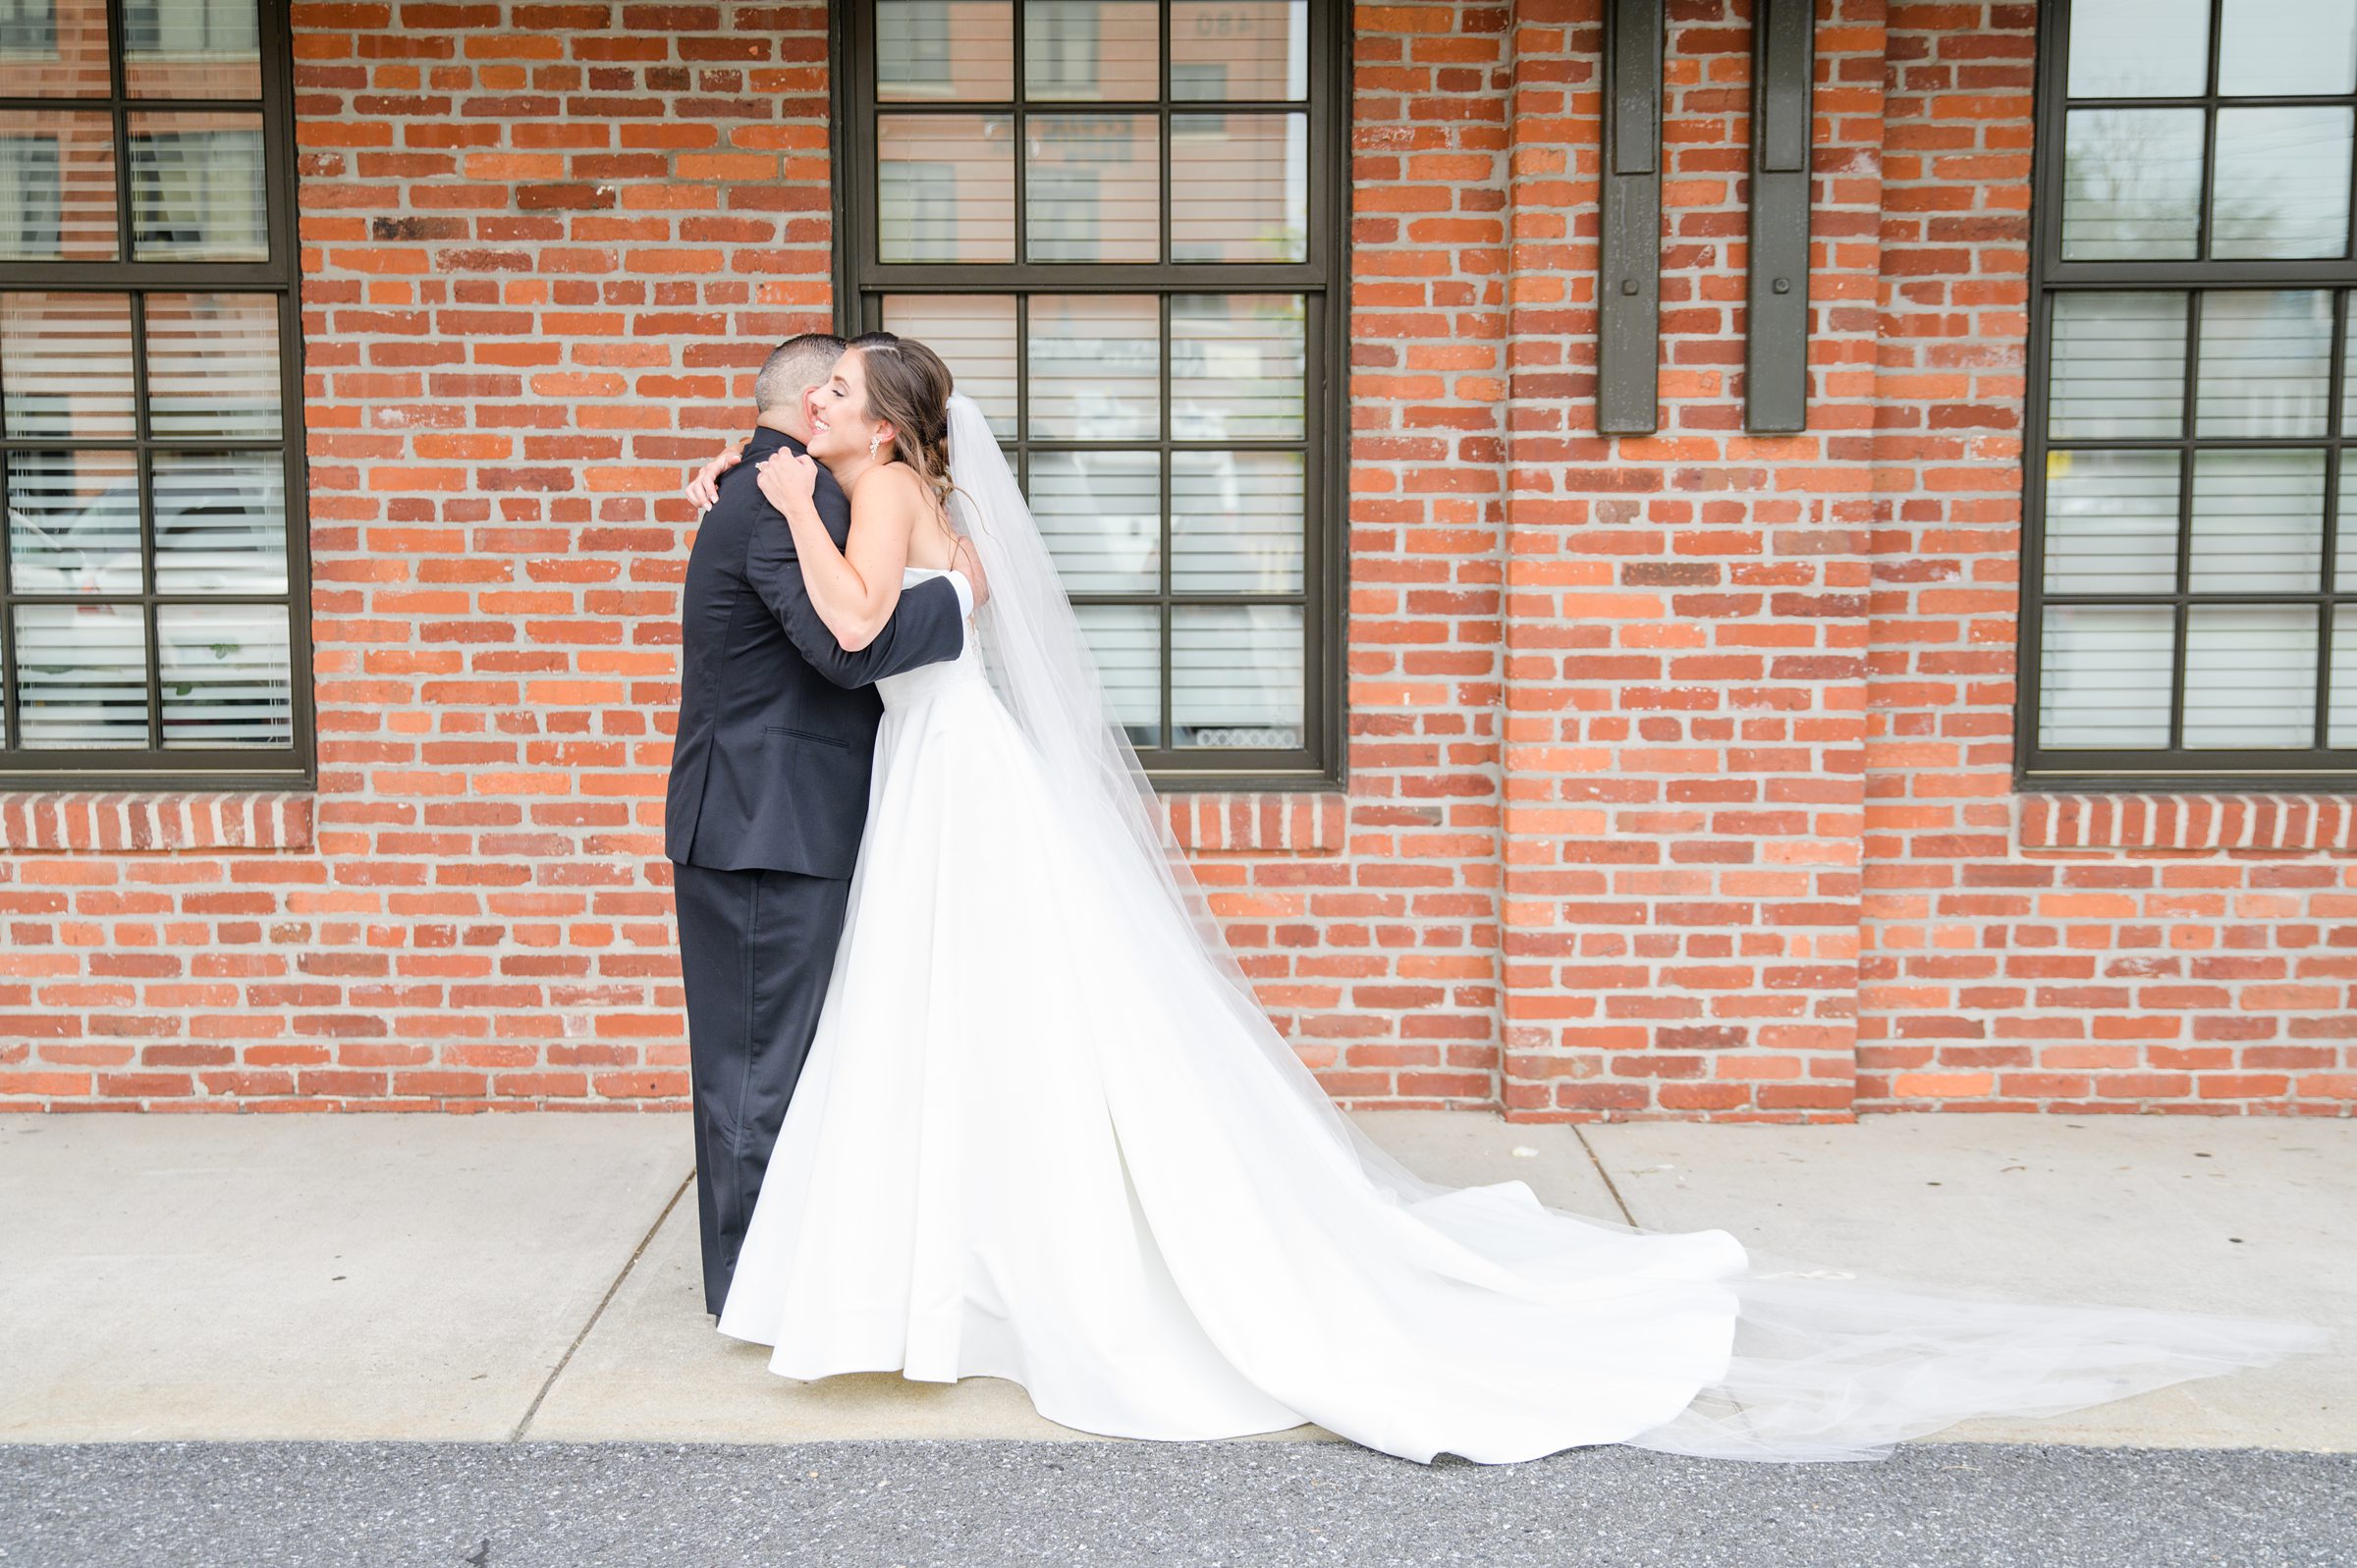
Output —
(840, 424)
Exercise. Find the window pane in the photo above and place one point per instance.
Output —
(1127, 640)
(945, 188)
(2340, 725)
(65, 366)
(1236, 521)
(225, 676)
(212, 365)
(2105, 677)
(2131, 183)
(2266, 361)
(2250, 675)
(945, 49)
(2118, 366)
(74, 522)
(974, 334)
(2344, 534)
(196, 188)
(2283, 183)
(1239, 49)
(81, 676)
(1101, 515)
(191, 48)
(1092, 188)
(1237, 367)
(1092, 50)
(2258, 520)
(2110, 521)
(220, 523)
(2139, 48)
(1096, 367)
(57, 186)
(1239, 186)
(53, 49)
(2287, 48)
(1235, 675)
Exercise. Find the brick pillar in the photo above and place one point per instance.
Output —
(1685, 612)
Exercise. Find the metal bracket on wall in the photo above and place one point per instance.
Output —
(1775, 348)
(1629, 313)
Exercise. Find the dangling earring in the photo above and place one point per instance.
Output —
(873, 441)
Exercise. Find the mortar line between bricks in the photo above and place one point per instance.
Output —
(566, 1360)
(1603, 1176)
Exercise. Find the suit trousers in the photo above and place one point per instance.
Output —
(756, 952)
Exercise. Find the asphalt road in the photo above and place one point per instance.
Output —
(983, 1504)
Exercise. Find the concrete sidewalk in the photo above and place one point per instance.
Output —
(534, 1276)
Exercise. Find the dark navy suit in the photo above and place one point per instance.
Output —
(767, 801)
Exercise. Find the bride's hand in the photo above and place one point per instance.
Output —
(786, 479)
(704, 488)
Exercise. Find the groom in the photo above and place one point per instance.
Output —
(768, 796)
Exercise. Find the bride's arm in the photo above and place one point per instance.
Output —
(854, 591)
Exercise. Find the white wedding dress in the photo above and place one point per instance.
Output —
(1044, 1135)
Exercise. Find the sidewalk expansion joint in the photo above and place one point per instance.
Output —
(1603, 1176)
(638, 1252)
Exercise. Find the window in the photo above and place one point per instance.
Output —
(2190, 584)
(149, 456)
(1120, 223)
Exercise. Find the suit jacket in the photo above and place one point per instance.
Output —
(777, 730)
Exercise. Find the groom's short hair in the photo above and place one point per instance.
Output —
(792, 365)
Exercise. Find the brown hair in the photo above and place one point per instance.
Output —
(909, 387)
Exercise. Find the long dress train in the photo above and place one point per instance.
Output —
(1038, 1138)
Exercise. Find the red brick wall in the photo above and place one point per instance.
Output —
(1680, 766)
(2032, 952)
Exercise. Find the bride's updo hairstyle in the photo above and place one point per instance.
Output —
(908, 386)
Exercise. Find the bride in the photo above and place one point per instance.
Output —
(1046, 1134)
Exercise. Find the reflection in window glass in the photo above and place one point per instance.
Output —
(945, 188)
(192, 49)
(1159, 417)
(2283, 183)
(196, 188)
(1093, 189)
(2139, 48)
(65, 366)
(1240, 187)
(57, 186)
(1239, 49)
(53, 49)
(213, 365)
(959, 50)
(2131, 183)
(74, 522)
(1100, 50)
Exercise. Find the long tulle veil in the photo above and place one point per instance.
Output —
(1826, 1363)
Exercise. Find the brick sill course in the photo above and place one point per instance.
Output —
(159, 822)
(2251, 824)
(122, 822)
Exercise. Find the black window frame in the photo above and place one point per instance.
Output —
(1322, 278)
(156, 767)
(2174, 767)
